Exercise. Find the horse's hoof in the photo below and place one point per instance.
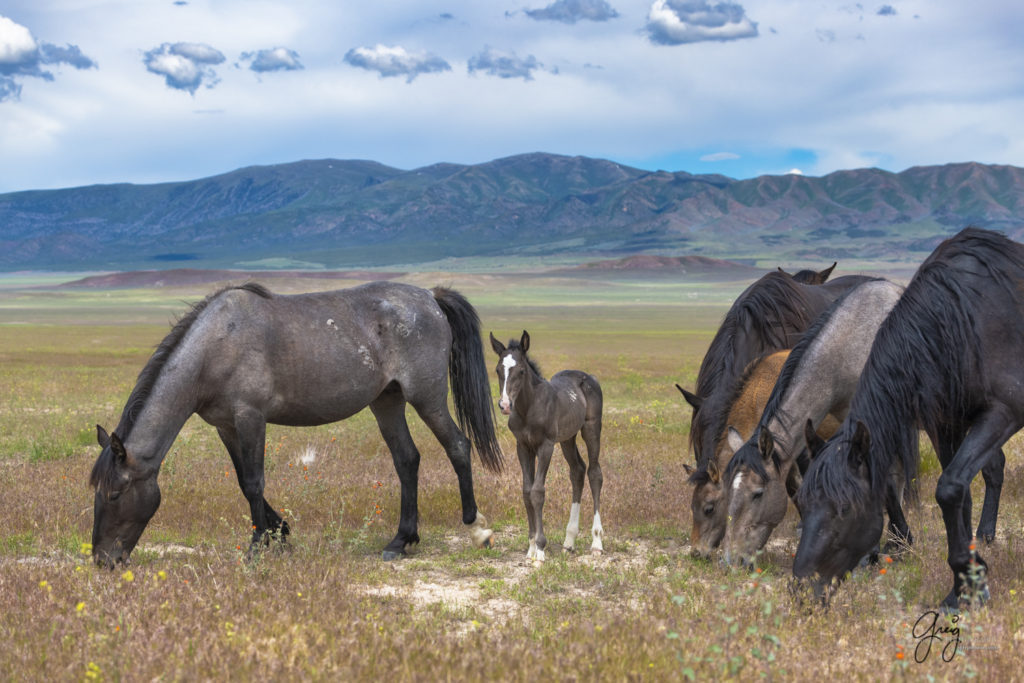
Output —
(390, 555)
(597, 551)
(568, 549)
(488, 543)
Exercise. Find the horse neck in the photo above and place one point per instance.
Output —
(170, 402)
(533, 388)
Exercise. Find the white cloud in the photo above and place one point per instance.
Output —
(571, 11)
(720, 156)
(391, 61)
(504, 65)
(184, 66)
(21, 55)
(676, 22)
(274, 59)
(17, 45)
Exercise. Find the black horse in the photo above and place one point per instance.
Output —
(947, 359)
(770, 315)
(244, 357)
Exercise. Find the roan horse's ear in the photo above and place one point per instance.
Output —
(694, 400)
(524, 341)
(118, 449)
(735, 439)
(498, 347)
(102, 438)
(766, 444)
(814, 442)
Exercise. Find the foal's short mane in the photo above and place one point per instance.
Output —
(102, 470)
(925, 353)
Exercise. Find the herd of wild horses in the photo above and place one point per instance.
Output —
(812, 389)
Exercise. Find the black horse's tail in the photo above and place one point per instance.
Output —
(471, 387)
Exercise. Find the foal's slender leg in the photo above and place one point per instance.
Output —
(527, 464)
(537, 494)
(577, 471)
(457, 447)
(992, 472)
(591, 434)
(389, 409)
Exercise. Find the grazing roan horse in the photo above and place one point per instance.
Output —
(947, 358)
(750, 394)
(541, 414)
(244, 357)
(770, 315)
(812, 277)
(817, 382)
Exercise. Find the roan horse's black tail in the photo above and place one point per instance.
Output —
(471, 387)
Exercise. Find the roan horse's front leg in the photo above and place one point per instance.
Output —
(244, 444)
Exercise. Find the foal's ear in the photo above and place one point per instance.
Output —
(814, 442)
(694, 400)
(102, 438)
(118, 449)
(823, 275)
(735, 440)
(766, 444)
(524, 341)
(498, 347)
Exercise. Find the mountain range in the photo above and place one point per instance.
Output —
(351, 214)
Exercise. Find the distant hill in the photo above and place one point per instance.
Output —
(353, 214)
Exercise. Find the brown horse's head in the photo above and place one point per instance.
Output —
(708, 507)
(127, 497)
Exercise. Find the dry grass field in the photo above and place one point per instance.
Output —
(191, 607)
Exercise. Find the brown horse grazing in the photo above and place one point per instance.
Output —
(811, 277)
(542, 413)
(770, 315)
(709, 503)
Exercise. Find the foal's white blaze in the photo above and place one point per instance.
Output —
(597, 531)
(508, 362)
(573, 529)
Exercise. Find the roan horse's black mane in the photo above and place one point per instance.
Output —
(923, 358)
(764, 311)
(750, 458)
(103, 470)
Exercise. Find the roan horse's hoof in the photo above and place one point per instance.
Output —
(389, 555)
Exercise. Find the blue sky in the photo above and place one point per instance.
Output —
(102, 91)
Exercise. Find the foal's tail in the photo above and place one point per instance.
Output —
(471, 387)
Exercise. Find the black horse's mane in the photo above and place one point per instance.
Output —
(765, 310)
(923, 357)
(513, 344)
(147, 378)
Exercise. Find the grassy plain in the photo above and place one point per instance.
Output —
(191, 608)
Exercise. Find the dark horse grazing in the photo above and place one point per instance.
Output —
(947, 358)
(770, 315)
(541, 414)
(244, 357)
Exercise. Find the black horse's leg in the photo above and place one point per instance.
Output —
(899, 530)
(577, 472)
(986, 436)
(457, 447)
(389, 410)
(537, 494)
(992, 472)
(527, 464)
(591, 433)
